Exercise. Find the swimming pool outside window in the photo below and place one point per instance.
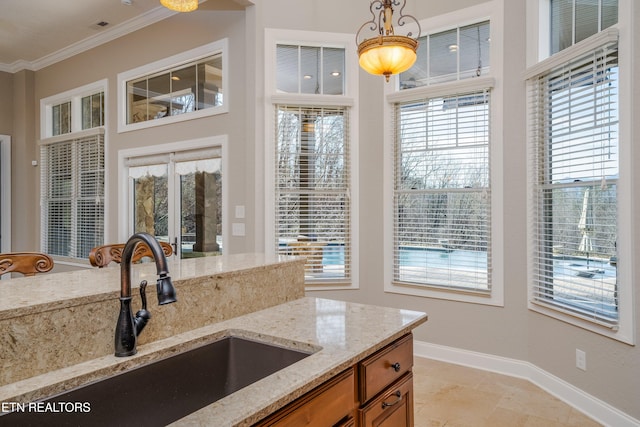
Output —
(442, 196)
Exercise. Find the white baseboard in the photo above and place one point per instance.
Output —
(591, 406)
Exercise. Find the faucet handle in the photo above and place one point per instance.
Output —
(143, 315)
(143, 294)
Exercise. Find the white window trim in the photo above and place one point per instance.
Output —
(273, 37)
(219, 46)
(75, 96)
(626, 327)
(5, 193)
(487, 11)
(125, 225)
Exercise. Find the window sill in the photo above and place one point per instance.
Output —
(618, 333)
(425, 291)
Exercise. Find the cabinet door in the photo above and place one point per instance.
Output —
(393, 408)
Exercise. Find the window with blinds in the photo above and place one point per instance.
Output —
(72, 192)
(312, 185)
(574, 155)
(442, 196)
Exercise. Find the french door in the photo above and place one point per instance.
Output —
(177, 197)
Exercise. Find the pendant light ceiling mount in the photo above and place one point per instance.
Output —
(380, 50)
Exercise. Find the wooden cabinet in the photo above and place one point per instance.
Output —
(392, 408)
(385, 386)
(331, 404)
(384, 367)
(377, 391)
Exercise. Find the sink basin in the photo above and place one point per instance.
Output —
(169, 389)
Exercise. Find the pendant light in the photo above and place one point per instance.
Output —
(383, 52)
(180, 5)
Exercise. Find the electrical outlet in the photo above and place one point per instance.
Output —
(581, 359)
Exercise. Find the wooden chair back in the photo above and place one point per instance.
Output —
(27, 263)
(101, 256)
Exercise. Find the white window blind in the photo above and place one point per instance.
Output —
(312, 189)
(442, 194)
(72, 188)
(574, 155)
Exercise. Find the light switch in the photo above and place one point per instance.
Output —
(240, 211)
(237, 228)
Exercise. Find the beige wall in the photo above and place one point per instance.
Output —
(511, 331)
(24, 179)
(166, 38)
(6, 103)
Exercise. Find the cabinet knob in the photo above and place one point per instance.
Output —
(396, 366)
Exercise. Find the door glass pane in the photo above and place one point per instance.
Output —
(200, 207)
(150, 207)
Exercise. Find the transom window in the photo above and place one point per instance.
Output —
(190, 85)
(310, 69)
(455, 54)
(185, 89)
(574, 20)
(73, 113)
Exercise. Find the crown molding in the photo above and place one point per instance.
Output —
(151, 17)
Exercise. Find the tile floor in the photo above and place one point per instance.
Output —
(456, 396)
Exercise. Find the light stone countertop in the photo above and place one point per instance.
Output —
(340, 333)
(60, 290)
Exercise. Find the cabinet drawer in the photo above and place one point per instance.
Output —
(384, 367)
(393, 408)
(332, 403)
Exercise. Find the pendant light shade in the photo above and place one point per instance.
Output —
(180, 5)
(385, 53)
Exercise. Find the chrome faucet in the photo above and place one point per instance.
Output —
(128, 328)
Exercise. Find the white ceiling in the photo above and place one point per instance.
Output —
(37, 33)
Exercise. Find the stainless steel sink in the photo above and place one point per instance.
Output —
(169, 389)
